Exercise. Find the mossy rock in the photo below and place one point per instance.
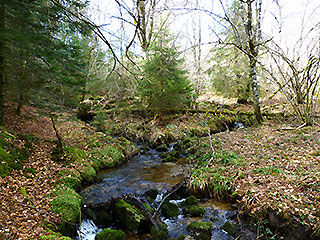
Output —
(103, 217)
(200, 230)
(164, 155)
(169, 210)
(51, 235)
(151, 195)
(7, 163)
(70, 182)
(194, 211)
(88, 173)
(159, 233)
(54, 237)
(67, 203)
(107, 157)
(181, 237)
(75, 154)
(11, 156)
(230, 228)
(127, 147)
(190, 201)
(129, 216)
(110, 234)
(150, 209)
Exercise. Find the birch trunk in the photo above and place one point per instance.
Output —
(253, 49)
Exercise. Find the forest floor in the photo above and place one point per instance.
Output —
(26, 216)
(281, 172)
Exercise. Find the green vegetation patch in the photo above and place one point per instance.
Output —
(200, 230)
(159, 233)
(169, 210)
(11, 156)
(67, 203)
(194, 211)
(109, 156)
(129, 216)
(110, 234)
(190, 201)
(74, 154)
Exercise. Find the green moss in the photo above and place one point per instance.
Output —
(200, 230)
(11, 157)
(127, 147)
(70, 182)
(54, 236)
(169, 210)
(110, 234)
(230, 228)
(181, 237)
(151, 194)
(159, 233)
(88, 173)
(190, 201)
(67, 203)
(6, 164)
(162, 148)
(103, 217)
(75, 154)
(108, 156)
(148, 207)
(194, 211)
(129, 216)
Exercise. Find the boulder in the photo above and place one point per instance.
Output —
(194, 211)
(190, 201)
(110, 234)
(230, 228)
(169, 210)
(200, 230)
(129, 216)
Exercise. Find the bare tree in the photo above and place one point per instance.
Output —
(249, 43)
(296, 70)
(252, 50)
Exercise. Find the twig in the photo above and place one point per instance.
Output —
(211, 146)
(301, 126)
(174, 189)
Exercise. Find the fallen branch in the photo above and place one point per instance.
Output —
(171, 191)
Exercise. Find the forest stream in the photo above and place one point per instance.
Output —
(142, 173)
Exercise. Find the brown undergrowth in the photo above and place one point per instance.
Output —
(279, 171)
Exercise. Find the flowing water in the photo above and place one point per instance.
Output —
(144, 172)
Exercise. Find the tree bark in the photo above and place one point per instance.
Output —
(2, 59)
(253, 54)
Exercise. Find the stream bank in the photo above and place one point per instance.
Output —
(137, 198)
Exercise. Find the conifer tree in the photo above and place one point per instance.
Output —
(41, 50)
(165, 84)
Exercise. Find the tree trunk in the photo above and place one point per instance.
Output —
(253, 49)
(2, 64)
(255, 90)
